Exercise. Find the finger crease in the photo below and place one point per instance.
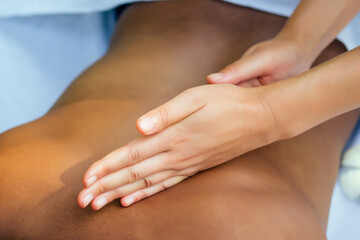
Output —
(100, 187)
(133, 176)
(164, 116)
(147, 182)
(117, 194)
(133, 157)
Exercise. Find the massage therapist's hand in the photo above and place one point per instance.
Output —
(265, 63)
(200, 128)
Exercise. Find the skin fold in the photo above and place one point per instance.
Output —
(281, 191)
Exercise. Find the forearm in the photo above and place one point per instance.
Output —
(314, 24)
(313, 97)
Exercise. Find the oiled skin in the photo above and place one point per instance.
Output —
(281, 191)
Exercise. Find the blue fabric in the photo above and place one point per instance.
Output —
(41, 55)
(17, 8)
(350, 35)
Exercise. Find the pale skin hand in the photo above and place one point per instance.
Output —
(265, 63)
(209, 125)
(199, 129)
(308, 31)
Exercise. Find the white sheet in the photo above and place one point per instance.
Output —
(41, 55)
(350, 35)
(21, 8)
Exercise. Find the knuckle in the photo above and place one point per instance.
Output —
(184, 157)
(105, 169)
(180, 163)
(196, 99)
(233, 68)
(178, 136)
(189, 91)
(173, 164)
(177, 166)
(194, 94)
(147, 183)
(164, 116)
(133, 176)
(116, 194)
(133, 157)
(100, 187)
(269, 57)
(189, 171)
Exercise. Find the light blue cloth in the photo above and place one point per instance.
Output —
(350, 35)
(20, 8)
(344, 217)
(41, 55)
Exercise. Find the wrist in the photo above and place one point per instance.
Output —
(278, 129)
(305, 42)
(281, 97)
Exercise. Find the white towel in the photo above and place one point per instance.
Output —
(19, 8)
(350, 36)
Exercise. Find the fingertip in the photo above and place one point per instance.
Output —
(93, 206)
(209, 80)
(90, 181)
(80, 201)
(145, 125)
(138, 127)
(90, 177)
(84, 181)
(99, 203)
(85, 197)
(127, 201)
(122, 202)
(94, 172)
(216, 77)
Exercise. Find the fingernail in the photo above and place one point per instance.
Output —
(101, 202)
(146, 124)
(88, 199)
(217, 76)
(91, 181)
(129, 200)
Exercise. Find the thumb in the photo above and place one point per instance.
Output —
(246, 68)
(171, 112)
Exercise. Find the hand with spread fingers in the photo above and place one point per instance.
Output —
(201, 128)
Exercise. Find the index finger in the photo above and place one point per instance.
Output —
(171, 112)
